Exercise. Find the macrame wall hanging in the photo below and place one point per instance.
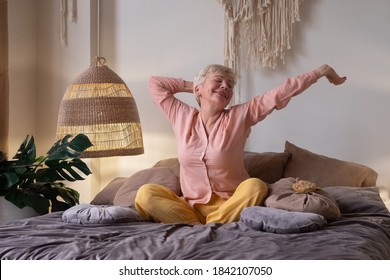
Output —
(68, 10)
(260, 29)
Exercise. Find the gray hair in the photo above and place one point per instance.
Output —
(213, 68)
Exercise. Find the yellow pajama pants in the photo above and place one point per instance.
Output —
(160, 204)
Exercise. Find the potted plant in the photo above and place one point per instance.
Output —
(37, 182)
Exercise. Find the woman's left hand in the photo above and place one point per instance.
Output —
(328, 72)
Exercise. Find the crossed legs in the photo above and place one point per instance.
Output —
(160, 204)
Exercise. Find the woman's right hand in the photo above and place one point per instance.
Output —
(189, 86)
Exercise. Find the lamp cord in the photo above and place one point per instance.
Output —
(98, 28)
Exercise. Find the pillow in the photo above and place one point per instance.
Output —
(267, 166)
(155, 175)
(325, 171)
(99, 214)
(107, 194)
(357, 200)
(281, 195)
(281, 221)
(171, 163)
(384, 193)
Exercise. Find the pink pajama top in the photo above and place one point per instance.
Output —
(215, 163)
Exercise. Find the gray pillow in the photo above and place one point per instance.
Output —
(357, 200)
(281, 221)
(155, 175)
(99, 214)
(107, 194)
(267, 166)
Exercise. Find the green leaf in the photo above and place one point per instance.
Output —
(39, 160)
(27, 151)
(10, 179)
(3, 157)
(80, 143)
(23, 198)
(59, 206)
(82, 166)
(70, 196)
(52, 175)
(35, 182)
(65, 170)
(39, 203)
(63, 149)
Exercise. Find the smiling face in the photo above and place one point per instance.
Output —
(214, 80)
(216, 90)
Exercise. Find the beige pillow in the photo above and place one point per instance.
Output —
(155, 175)
(325, 171)
(266, 166)
(281, 195)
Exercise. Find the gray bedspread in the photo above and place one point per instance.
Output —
(363, 232)
(47, 237)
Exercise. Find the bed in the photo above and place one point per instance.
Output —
(353, 222)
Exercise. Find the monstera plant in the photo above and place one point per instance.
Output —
(37, 182)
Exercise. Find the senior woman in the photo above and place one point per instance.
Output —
(210, 143)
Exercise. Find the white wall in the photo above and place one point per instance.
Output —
(177, 38)
(144, 38)
(22, 74)
(41, 68)
(347, 122)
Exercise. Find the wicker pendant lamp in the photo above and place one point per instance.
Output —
(99, 104)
